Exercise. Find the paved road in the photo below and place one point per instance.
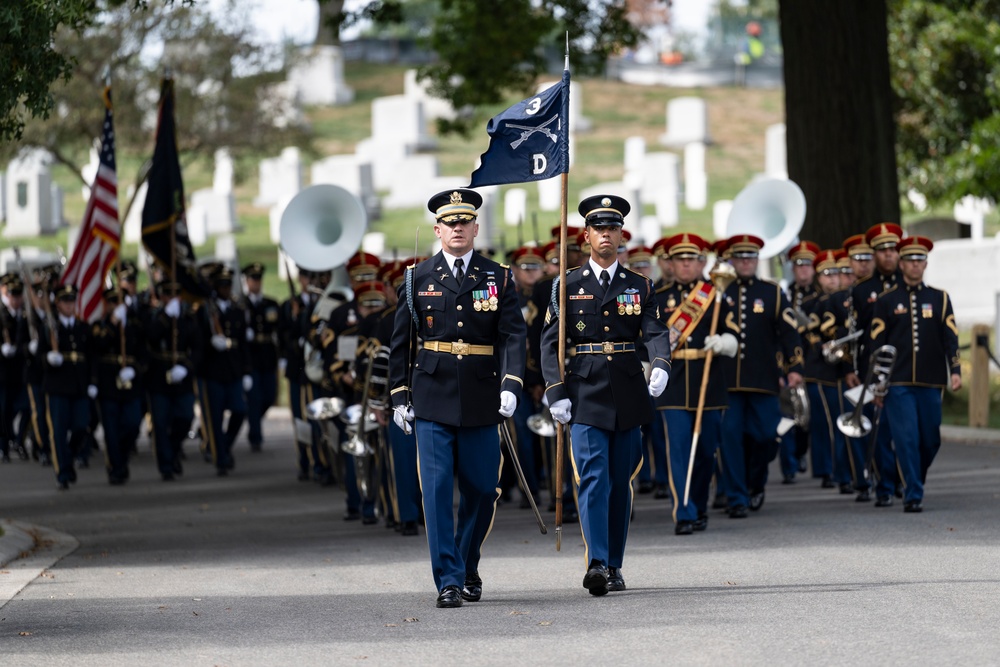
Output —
(259, 569)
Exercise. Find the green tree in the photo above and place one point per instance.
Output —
(945, 56)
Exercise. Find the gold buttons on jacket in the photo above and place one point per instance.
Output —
(458, 308)
(461, 324)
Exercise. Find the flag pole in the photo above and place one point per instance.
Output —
(118, 255)
(560, 433)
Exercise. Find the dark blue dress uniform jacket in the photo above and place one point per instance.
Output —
(231, 364)
(75, 373)
(863, 297)
(263, 320)
(607, 390)
(106, 343)
(920, 323)
(458, 390)
(160, 335)
(765, 326)
(685, 375)
(824, 326)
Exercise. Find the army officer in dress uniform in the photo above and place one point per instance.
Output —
(604, 394)
(919, 322)
(466, 377)
(263, 314)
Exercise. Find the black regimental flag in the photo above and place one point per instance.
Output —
(164, 231)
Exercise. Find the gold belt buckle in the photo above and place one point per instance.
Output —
(608, 348)
(460, 348)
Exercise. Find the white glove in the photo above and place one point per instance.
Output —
(92, 391)
(33, 347)
(561, 410)
(8, 350)
(220, 342)
(282, 365)
(724, 344)
(658, 382)
(54, 358)
(120, 313)
(126, 374)
(247, 383)
(173, 308)
(508, 403)
(250, 335)
(403, 416)
(177, 374)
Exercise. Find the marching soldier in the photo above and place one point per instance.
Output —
(604, 393)
(763, 320)
(293, 328)
(803, 296)
(464, 380)
(263, 314)
(119, 376)
(13, 351)
(653, 476)
(919, 322)
(663, 263)
(686, 308)
(175, 353)
(883, 240)
(35, 372)
(845, 269)
(65, 346)
(225, 372)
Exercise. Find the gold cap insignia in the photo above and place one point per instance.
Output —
(456, 197)
(605, 202)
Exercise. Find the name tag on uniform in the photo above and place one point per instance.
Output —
(574, 297)
(430, 293)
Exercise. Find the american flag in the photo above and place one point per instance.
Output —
(100, 235)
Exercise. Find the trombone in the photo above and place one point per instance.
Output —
(835, 351)
(880, 365)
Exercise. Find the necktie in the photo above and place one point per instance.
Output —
(605, 280)
(459, 273)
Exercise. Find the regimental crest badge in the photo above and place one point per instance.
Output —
(758, 306)
(926, 310)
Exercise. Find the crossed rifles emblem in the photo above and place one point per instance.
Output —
(528, 130)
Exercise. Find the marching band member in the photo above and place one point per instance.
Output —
(763, 320)
(13, 353)
(882, 239)
(686, 307)
(919, 322)
(120, 352)
(803, 295)
(604, 393)
(175, 353)
(464, 380)
(263, 315)
(224, 377)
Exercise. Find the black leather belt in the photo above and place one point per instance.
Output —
(604, 348)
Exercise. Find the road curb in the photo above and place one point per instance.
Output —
(27, 550)
(967, 435)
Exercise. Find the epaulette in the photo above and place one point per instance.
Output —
(891, 289)
(504, 266)
(665, 287)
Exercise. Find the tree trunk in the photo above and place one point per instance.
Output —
(840, 130)
(326, 30)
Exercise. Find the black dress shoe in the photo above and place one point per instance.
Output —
(596, 580)
(738, 512)
(661, 492)
(472, 591)
(846, 489)
(683, 528)
(616, 582)
(409, 528)
(645, 487)
(788, 479)
(913, 506)
(827, 483)
(450, 596)
(864, 496)
(884, 501)
(756, 500)
(701, 523)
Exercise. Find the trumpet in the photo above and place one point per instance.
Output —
(855, 424)
(835, 351)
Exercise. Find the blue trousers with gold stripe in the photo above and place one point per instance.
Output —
(473, 454)
(679, 425)
(604, 464)
(172, 416)
(120, 418)
(217, 398)
(914, 415)
(403, 452)
(654, 442)
(754, 417)
(67, 415)
(260, 399)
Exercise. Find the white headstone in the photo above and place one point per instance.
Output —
(286, 268)
(29, 195)
(31, 258)
(687, 121)
(56, 221)
(695, 178)
(274, 220)
(411, 182)
(72, 236)
(950, 266)
(133, 223)
(661, 185)
(972, 211)
(515, 205)
(374, 243)
(383, 158)
(650, 229)
(775, 162)
(400, 119)
(577, 121)
(635, 151)
(319, 77)
(280, 177)
(222, 179)
(434, 107)
(351, 173)
(215, 213)
(550, 194)
(720, 218)
(226, 250)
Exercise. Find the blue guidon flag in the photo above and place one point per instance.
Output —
(529, 141)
